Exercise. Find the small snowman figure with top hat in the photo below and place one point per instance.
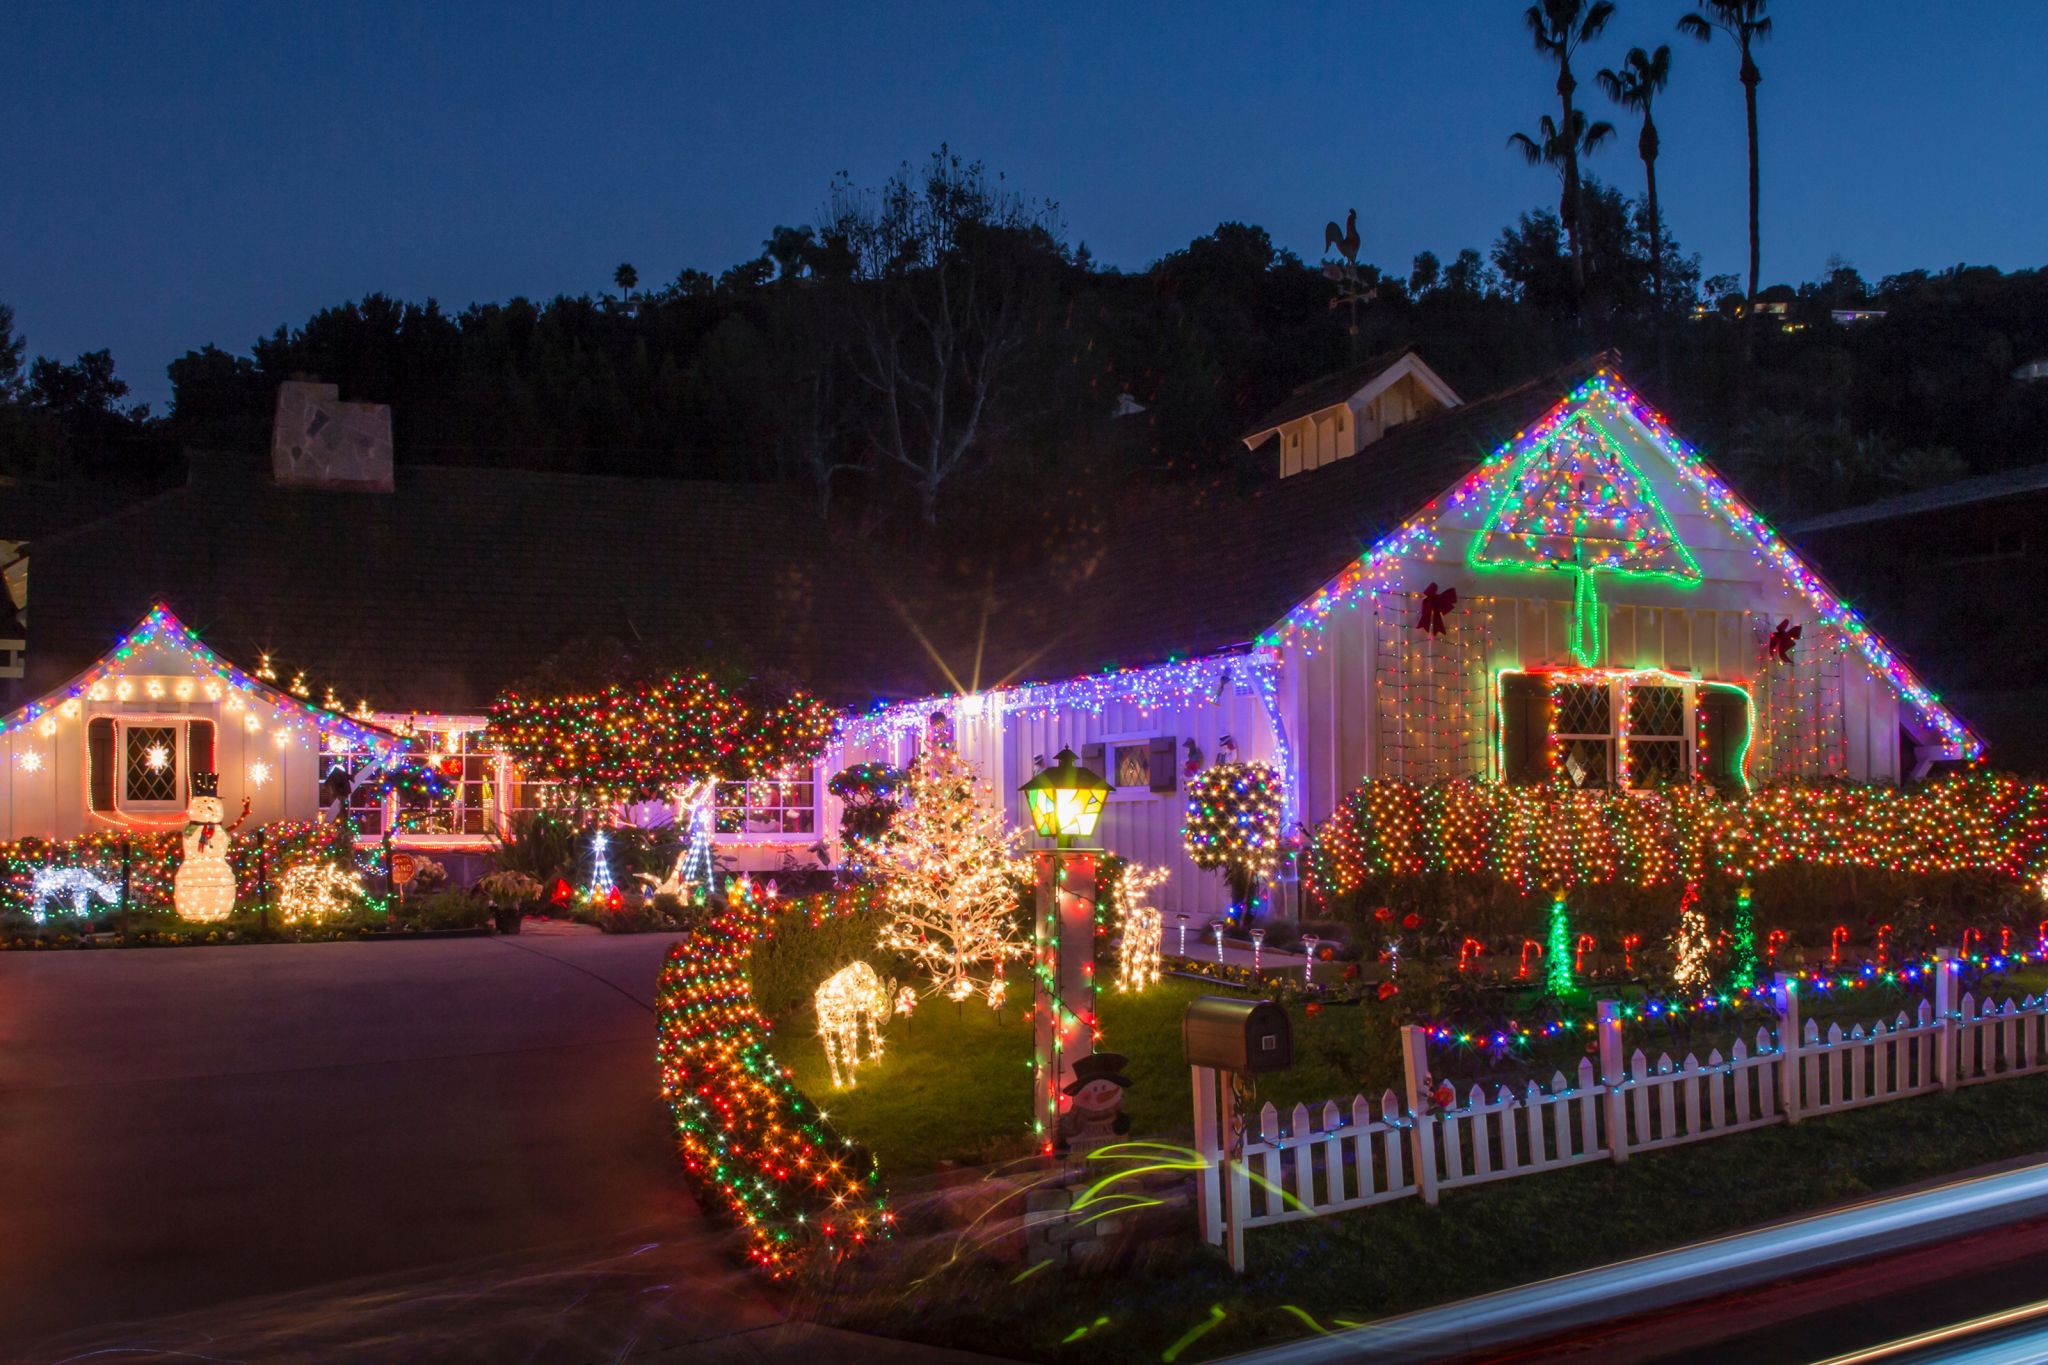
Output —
(204, 887)
(1097, 1115)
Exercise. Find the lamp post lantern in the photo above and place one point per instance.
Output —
(1065, 802)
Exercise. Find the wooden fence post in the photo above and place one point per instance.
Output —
(1209, 1146)
(1613, 1077)
(1421, 1123)
(1785, 993)
(1945, 1031)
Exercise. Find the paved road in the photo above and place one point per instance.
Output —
(407, 1142)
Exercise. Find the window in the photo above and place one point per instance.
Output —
(1592, 732)
(768, 806)
(150, 757)
(1581, 728)
(1134, 765)
(1656, 734)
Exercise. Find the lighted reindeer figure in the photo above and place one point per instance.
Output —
(850, 997)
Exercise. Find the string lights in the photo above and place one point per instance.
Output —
(1233, 823)
(1139, 924)
(747, 1136)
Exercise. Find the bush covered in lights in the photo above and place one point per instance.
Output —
(140, 865)
(1233, 823)
(749, 1139)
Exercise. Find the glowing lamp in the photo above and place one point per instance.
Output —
(1066, 800)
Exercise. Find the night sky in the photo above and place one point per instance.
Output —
(184, 173)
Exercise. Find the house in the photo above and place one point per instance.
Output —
(1335, 417)
(1622, 619)
(1959, 576)
(117, 747)
(408, 600)
(1544, 585)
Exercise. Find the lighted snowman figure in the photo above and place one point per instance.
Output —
(204, 888)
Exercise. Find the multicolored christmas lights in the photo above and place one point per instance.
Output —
(1233, 822)
(753, 1142)
(1539, 837)
(1604, 396)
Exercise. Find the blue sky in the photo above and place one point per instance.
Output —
(185, 173)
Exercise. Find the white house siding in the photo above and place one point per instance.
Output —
(53, 803)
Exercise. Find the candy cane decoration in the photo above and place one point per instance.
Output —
(1772, 942)
(1527, 944)
(1971, 937)
(1629, 944)
(2005, 940)
(1841, 936)
(1884, 933)
(1585, 945)
(1468, 953)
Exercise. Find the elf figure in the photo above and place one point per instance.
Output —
(1097, 1115)
(204, 887)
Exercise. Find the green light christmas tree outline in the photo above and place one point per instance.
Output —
(1500, 545)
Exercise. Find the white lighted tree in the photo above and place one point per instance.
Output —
(950, 875)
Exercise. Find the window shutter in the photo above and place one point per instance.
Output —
(1724, 730)
(1091, 759)
(1524, 701)
(99, 752)
(198, 749)
(1163, 775)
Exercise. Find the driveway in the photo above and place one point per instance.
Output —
(378, 1149)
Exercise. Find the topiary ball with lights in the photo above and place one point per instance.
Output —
(1233, 819)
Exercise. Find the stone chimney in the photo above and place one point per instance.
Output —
(318, 441)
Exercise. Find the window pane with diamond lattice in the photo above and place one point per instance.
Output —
(1656, 711)
(1581, 709)
(152, 763)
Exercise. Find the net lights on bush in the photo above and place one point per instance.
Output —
(748, 1138)
(1233, 824)
(1543, 837)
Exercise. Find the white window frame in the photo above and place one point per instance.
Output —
(181, 748)
(1619, 685)
(805, 773)
(1117, 791)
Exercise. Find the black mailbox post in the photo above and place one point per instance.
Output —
(1232, 1034)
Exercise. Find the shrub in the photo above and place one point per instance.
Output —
(441, 910)
(812, 938)
(540, 844)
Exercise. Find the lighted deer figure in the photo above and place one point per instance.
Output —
(850, 997)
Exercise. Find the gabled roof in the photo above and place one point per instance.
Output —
(1949, 497)
(435, 596)
(161, 629)
(1363, 381)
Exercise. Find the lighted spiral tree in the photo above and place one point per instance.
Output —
(1233, 824)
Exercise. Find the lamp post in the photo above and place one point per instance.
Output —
(1065, 802)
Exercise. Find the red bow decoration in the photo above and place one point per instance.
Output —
(1783, 639)
(1434, 605)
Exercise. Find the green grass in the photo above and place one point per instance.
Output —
(954, 1081)
(1406, 1255)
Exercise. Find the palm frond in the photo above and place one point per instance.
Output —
(1696, 25)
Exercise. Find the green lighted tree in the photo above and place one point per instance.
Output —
(1574, 501)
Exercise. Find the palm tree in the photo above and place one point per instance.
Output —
(1643, 76)
(1560, 28)
(1745, 22)
(1560, 150)
(625, 277)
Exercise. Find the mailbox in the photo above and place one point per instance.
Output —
(1231, 1034)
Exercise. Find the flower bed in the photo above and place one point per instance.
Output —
(749, 1139)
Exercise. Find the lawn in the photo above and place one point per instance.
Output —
(1404, 1255)
(954, 1081)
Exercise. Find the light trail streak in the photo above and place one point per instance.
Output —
(1685, 1274)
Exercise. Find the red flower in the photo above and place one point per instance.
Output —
(1443, 1097)
(1351, 971)
(1411, 921)
(1327, 953)
(1383, 914)
(1314, 1008)
(1388, 990)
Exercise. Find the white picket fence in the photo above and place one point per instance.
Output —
(1339, 1156)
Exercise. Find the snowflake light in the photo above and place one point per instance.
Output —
(259, 773)
(157, 757)
(32, 760)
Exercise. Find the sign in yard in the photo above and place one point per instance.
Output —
(404, 867)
